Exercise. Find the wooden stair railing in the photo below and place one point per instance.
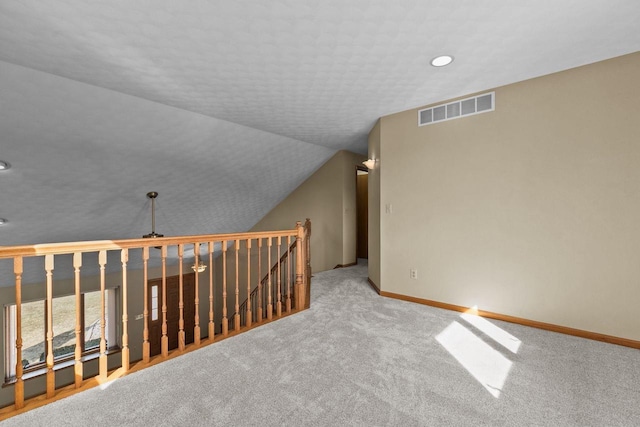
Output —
(273, 296)
(248, 310)
(251, 306)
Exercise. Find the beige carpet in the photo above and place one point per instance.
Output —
(357, 359)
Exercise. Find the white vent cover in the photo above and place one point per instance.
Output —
(454, 110)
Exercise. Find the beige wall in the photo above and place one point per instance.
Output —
(532, 210)
(328, 198)
(374, 206)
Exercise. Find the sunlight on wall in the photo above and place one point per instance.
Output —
(487, 365)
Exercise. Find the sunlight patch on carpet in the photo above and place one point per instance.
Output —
(488, 366)
(496, 333)
(106, 385)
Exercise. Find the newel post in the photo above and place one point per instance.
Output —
(307, 256)
(300, 265)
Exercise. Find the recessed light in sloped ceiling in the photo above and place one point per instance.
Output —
(442, 60)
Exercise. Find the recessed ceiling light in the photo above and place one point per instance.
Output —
(441, 61)
(4, 165)
(3, 221)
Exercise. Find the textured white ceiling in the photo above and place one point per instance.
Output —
(225, 107)
(317, 71)
(83, 159)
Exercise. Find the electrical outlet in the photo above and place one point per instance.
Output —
(389, 208)
(413, 273)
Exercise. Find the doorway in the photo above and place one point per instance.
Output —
(173, 311)
(362, 212)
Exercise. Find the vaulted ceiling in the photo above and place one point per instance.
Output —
(226, 107)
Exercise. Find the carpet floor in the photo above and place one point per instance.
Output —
(358, 359)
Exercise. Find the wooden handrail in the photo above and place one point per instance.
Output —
(138, 288)
(97, 245)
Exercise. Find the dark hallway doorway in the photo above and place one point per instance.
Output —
(362, 212)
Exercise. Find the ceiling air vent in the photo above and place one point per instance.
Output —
(454, 110)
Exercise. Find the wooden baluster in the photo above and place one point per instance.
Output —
(274, 286)
(292, 259)
(181, 334)
(254, 305)
(124, 258)
(77, 264)
(225, 321)
(164, 342)
(248, 316)
(102, 361)
(279, 304)
(259, 308)
(269, 299)
(146, 346)
(299, 291)
(212, 329)
(51, 382)
(307, 257)
(196, 319)
(293, 275)
(19, 386)
(288, 274)
(236, 317)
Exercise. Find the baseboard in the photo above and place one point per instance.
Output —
(518, 320)
(345, 265)
(373, 285)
